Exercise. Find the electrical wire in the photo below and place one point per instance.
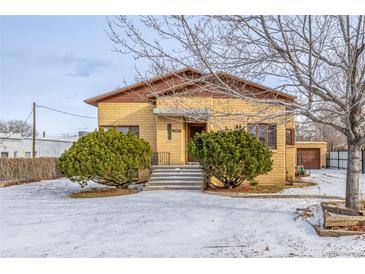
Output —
(67, 113)
(52, 109)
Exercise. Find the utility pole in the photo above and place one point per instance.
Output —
(34, 130)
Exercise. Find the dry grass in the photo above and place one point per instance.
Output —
(298, 182)
(263, 188)
(251, 189)
(102, 192)
(6, 183)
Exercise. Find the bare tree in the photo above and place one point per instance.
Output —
(16, 126)
(307, 130)
(319, 59)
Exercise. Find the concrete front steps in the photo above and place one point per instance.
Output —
(175, 177)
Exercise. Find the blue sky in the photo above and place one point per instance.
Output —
(57, 61)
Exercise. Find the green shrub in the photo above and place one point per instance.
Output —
(106, 157)
(232, 156)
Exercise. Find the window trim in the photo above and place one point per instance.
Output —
(257, 125)
(292, 136)
(128, 126)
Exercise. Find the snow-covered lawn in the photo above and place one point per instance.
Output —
(330, 182)
(39, 220)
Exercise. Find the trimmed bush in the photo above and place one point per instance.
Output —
(232, 156)
(106, 157)
(28, 169)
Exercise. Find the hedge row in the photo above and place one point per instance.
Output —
(29, 169)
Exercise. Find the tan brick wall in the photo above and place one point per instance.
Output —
(154, 128)
(131, 114)
(290, 161)
(177, 145)
(237, 107)
(222, 119)
(290, 152)
(321, 145)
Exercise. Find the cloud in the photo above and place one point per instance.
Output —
(76, 66)
(80, 66)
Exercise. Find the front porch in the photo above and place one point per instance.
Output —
(172, 166)
(173, 134)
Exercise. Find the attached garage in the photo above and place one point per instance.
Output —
(311, 154)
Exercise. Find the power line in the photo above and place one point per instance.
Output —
(67, 113)
(52, 109)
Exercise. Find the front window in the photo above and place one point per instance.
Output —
(264, 133)
(125, 129)
(4, 154)
(289, 136)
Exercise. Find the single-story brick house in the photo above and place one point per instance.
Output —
(169, 109)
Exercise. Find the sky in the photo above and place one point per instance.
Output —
(57, 61)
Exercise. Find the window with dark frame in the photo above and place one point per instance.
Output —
(125, 129)
(4, 154)
(169, 132)
(289, 136)
(265, 133)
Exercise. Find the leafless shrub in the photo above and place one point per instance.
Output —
(29, 169)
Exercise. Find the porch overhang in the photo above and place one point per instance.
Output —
(196, 113)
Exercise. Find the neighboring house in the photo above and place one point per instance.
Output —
(168, 110)
(14, 145)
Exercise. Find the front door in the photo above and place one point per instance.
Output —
(192, 130)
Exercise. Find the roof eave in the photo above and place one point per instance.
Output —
(91, 102)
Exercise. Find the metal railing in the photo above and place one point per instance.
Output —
(338, 160)
(160, 158)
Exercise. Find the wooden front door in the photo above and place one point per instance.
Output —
(309, 157)
(192, 130)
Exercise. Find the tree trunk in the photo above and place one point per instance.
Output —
(352, 176)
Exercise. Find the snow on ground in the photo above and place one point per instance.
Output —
(39, 220)
(331, 182)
